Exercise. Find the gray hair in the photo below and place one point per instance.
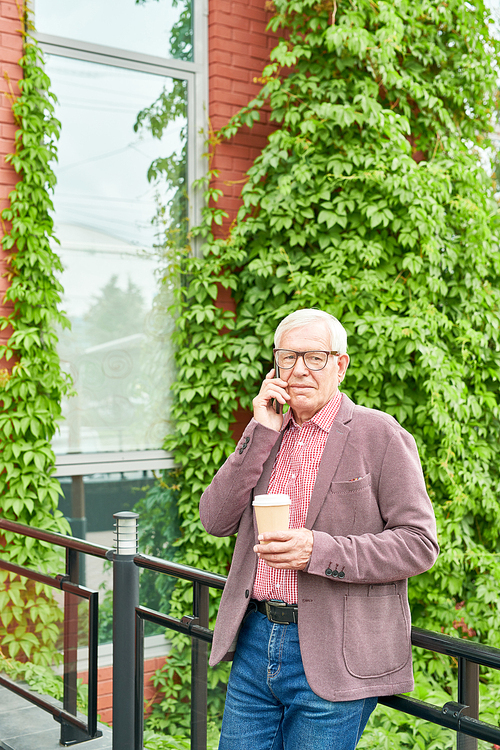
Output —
(301, 318)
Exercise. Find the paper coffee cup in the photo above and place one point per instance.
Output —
(272, 512)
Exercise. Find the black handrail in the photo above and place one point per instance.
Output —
(181, 571)
(73, 729)
(453, 715)
(186, 626)
(53, 537)
(59, 714)
(460, 716)
(487, 656)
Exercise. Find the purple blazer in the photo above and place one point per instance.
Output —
(354, 631)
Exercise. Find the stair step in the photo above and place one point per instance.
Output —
(24, 726)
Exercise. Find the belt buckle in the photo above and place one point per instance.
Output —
(269, 615)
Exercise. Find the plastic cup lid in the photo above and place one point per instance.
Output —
(271, 500)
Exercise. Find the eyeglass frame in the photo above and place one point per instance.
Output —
(302, 354)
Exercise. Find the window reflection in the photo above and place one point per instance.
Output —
(119, 350)
(152, 27)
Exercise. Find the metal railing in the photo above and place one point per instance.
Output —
(461, 715)
(196, 626)
(73, 730)
(128, 650)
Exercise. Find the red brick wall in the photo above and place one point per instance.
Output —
(11, 45)
(239, 48)
(105, 688)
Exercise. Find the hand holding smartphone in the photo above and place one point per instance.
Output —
(278, 408)
(266, 405)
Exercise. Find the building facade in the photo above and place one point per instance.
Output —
(139, 85)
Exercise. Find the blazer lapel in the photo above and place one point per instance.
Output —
(263, 483)
(330, 459)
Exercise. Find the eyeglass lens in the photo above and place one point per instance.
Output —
(286, 359)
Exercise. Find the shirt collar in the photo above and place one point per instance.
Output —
(323, 419)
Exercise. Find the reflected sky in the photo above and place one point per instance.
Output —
(102, 166)
(140, 27)
(119, 349)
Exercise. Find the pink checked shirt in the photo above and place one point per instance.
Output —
(294, 473)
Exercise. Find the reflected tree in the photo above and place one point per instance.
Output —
(115, 312)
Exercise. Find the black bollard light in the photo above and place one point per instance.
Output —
(125, 600)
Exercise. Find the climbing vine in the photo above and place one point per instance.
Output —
(369, 201)
(32, 387)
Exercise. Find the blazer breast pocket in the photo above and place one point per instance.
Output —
(352, 486)
(350, 507)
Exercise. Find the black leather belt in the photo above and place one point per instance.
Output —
(277, 612)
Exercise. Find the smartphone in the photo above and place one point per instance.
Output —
(277, 406)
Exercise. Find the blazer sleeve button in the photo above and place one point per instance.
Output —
(328, 572)
(341, 574)
(335, 573)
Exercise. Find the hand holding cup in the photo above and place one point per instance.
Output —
(272, 512)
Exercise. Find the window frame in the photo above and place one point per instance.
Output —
(195, 72)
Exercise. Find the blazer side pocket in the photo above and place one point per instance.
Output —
(376, 638)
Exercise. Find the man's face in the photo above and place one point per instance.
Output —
(310, 390)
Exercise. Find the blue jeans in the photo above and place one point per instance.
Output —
(269, 704)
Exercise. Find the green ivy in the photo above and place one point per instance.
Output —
(31, 390)
(369, 201)
(154, 741)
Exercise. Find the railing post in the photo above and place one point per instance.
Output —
(199, 671)
(93, 669)
(125, 600)
(468, 695)
(68, 732)
(139, 682)
(78, 521)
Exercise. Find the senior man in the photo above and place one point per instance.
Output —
(317, 619)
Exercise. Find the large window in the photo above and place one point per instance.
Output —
(130, 77)
(118, 349)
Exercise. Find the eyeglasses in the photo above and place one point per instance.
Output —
(286, 359)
